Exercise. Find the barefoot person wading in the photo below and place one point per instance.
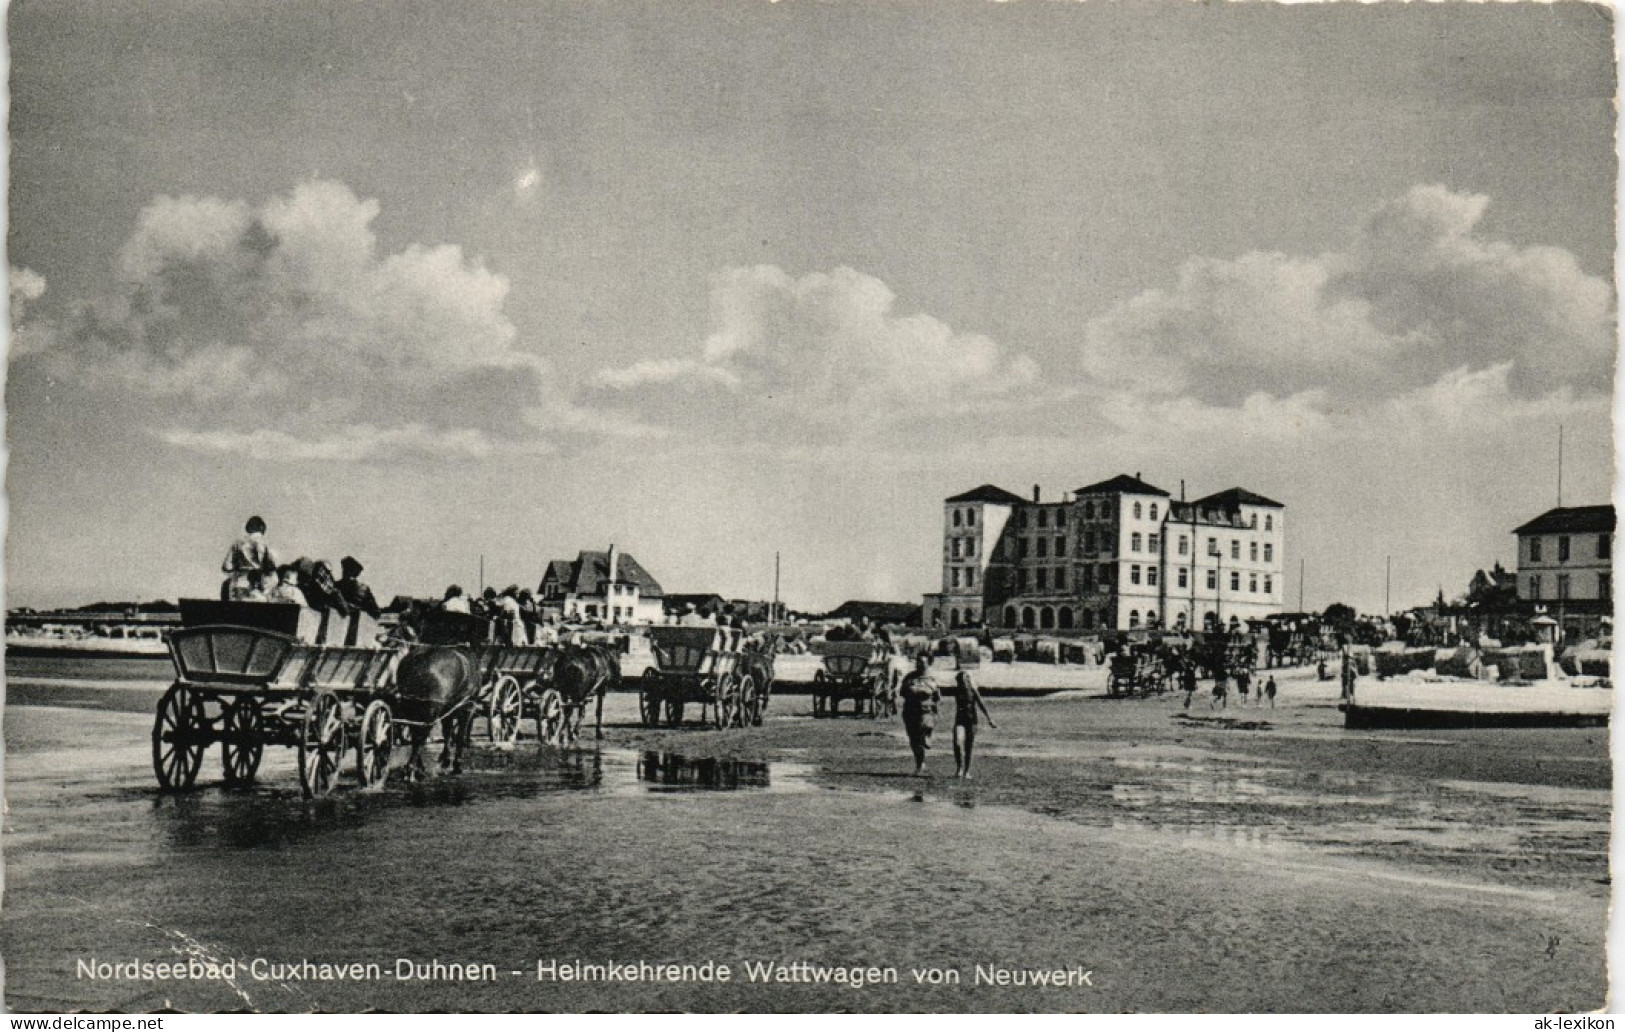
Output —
(967, 700)
(920, 696)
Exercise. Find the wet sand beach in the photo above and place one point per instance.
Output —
(1229, 860)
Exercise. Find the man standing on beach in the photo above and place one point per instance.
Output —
(920, 697)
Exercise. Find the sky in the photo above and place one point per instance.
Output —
(712, 281)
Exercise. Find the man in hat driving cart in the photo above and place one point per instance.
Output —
(356, 594)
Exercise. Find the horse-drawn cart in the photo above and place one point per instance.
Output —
(701, 665)
(860, 671)
(516, 686)
(245, 681)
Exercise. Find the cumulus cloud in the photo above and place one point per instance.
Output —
(831, 349)
(283, 330)
(1417, 292)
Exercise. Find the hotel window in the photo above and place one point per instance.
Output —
(1212, 580)
(1060, 579)
(1060, 545)
(1060, 517)
(1252, 551)
(1235, 548)
(1088, 541)
(1043, 517)
(1088, 510)
(1105, 575)
(1534, 550)
(1134, 574)
(1184, 545)
(1604, 545)
(970, 517)
(953, 578)
(1153, 510)
(1269, 522)
(1151, 575)
(1136, 510)
(1184, 577)
(1605, 586)
(1043, 548)
(1534, 587)
(1563, 549)
(1021, 580)
(1134, 618)
(1213, 546)
(1043, 579)
(1021, 548)
(1253, 523)
(1151, 542)
(1021, 519)
(1252, 583)
(957, 517)
(1134, 542)
(1235, 581)
(1269, 551)
(955, 548)
(1562, 586)
(1088, 578)
(1269, 584)
(970, 548)
(970, 578)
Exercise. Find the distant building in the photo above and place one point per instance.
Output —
(1566, 566)
(1116, 555)
(896, 613)
(704, 605)
(606, 586)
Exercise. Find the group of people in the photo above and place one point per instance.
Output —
(513, 609)
(1221, 688)
(253, 574)
(920, 699)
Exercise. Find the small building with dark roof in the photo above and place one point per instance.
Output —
(1566, 567)
(609, 587)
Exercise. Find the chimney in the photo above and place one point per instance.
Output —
(614, 562)
(1035, 494)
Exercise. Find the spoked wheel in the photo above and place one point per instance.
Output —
(748, 702)
(724, 702)
(321, 745)
(819, 705)
(242, 743)
(507, 705)
(550, 716)
(649, 698)
(376, 742)
(179, 736)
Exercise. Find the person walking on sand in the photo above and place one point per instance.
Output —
(920, 697)
(1269, 690)
(967, 700)
(1221, 692)
(1187, 680)
(1243, 683)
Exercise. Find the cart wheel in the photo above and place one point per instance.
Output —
(507, 704)
(242, 742)
(321, 745)
(818, 693)
(550, 716)
(748, 702)
(179, 736)
(649, 699)
(674, 712)
(723, 702)
(374, 745)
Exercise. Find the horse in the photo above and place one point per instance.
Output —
(756, 662)
(437, 683)
(581, 672)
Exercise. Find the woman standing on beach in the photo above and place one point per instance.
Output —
(967, 700)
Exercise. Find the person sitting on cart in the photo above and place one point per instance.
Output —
(247, 559)
(286, 588)
(356, 594)
(454, 601)
(920, 697)
(967, 700)
(316, 583)
(510, 618)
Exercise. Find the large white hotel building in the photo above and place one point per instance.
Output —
(1116, 555)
